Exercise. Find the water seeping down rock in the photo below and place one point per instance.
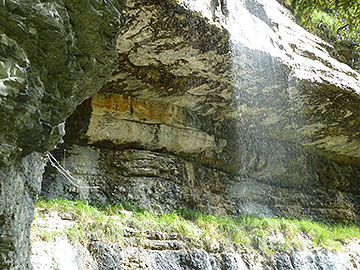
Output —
(53, 55)
(226, 106)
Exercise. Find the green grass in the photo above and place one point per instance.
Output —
(197, 229)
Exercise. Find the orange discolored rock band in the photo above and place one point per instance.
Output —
(138, 109)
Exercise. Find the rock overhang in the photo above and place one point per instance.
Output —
(238, 96)
(53, 55)
(48, 68)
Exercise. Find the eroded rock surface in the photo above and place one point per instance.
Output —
(100, 255)
(53, 55)
(143, 248)
(48, 62)
(250, 116)
(19, 187)
(166, 182)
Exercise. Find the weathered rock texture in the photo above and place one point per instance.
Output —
(204, 110)
(143, 248)
(53, 55)
(168, 255)
(19, 187)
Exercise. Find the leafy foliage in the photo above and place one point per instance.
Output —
(336, 21)
(349, 9)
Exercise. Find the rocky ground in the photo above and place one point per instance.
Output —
(53, 247)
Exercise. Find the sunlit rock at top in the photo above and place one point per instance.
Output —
(267, 26)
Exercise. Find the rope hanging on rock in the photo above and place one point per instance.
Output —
(65, 172)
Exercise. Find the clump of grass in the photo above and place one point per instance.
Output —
(90, 222)
(197, 229)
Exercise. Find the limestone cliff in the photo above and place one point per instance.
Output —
(53, 55)
(227, 106)
(166, 255)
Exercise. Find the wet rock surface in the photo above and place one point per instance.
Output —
(166, 182)
(271, 85)
(48, 62)
(53, 55)
(194, 115)
(202, 113)
(199, 113)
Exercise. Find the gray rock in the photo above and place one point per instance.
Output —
(53, 55)
(202, 113)
(114, 256)
(61, 255)
(312, 261)
(156, 181)
(165, 182)
(272, 115)
(19, 187)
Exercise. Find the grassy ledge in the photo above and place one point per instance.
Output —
(128, 225)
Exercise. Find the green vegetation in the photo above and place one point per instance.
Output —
(333, 21)
(128, 225)
(348, 10)
(333, 28)
(336, 21)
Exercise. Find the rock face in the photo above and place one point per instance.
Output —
(155, 247)
(101, 255)
(53, 55)
(206, 111)
(19, 188)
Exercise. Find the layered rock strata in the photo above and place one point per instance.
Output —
(202, 112)
(169, 255)
(53, 55)
(140, 247)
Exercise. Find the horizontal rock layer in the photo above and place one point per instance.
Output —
(269, 121)
(203, 113)
(60, 254)
(165, 182)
